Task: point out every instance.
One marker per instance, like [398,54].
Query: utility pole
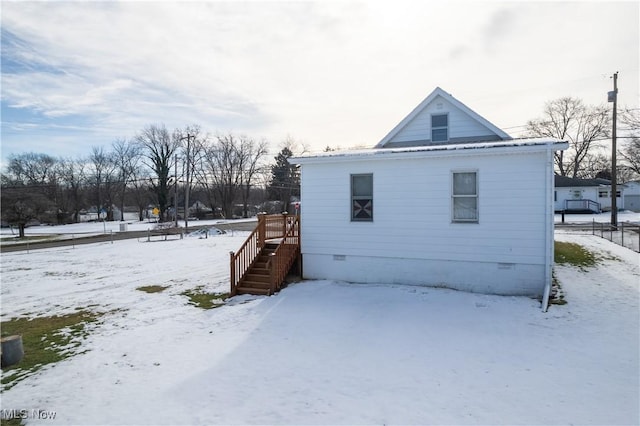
[175,190]
[613,97]
[186,191]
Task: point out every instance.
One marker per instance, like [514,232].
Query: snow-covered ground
[623,216]
[97,228]
[324,352]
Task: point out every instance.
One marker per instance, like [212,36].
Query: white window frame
[455,196]
[360,197]
[446,114]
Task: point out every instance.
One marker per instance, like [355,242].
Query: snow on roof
[464,148]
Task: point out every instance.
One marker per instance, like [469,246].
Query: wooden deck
[266,257]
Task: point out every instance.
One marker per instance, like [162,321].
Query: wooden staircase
[257,279]
[265,258]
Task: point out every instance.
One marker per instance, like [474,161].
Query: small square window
[362,198]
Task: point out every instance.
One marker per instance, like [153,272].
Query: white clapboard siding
[412,238]
[412,210]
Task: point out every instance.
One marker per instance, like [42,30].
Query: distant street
[116,236]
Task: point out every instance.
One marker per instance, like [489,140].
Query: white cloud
[329,73]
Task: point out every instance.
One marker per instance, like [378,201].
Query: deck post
[272,273]
[284,224]
[261,229]
[232,290]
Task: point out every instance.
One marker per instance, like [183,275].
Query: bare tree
[31,168]
[571,120]
[251,155]
[158,149]
[227,168]
[30,188]
[203,167]
[223,170]
[102,176]
[630,151]
[141,191]
[631,155]
[599,166]
[21,205]
[73,181]
[126,158]
[192,144]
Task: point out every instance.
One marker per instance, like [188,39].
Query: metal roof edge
[513,145]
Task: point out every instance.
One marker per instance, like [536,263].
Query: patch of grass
[557,295]
[573,254]
[152,288]
[11,422]
[46,340]
[198,297]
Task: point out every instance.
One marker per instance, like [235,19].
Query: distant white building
[632,196]
[573,195]
[445,199]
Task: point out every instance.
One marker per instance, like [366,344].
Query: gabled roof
[456,103]
[565,182]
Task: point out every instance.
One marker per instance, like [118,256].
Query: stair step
[254,284]
[259,271]
[251,290]
[252,276]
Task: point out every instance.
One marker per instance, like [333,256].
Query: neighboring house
[445,199]
[573,195]
[632,196]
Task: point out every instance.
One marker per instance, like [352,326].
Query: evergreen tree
[285,179]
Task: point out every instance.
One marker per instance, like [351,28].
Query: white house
[585,195]
[445,199]
[632,196]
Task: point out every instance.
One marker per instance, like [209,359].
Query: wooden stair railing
[262,262]
[242,260]
[288,250]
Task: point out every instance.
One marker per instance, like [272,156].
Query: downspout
[549,218]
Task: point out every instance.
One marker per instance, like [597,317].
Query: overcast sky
[338,73]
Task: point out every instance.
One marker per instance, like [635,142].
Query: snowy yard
[324,352]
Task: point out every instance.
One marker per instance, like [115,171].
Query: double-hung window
[362,197]
[439,127]
[464,197]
